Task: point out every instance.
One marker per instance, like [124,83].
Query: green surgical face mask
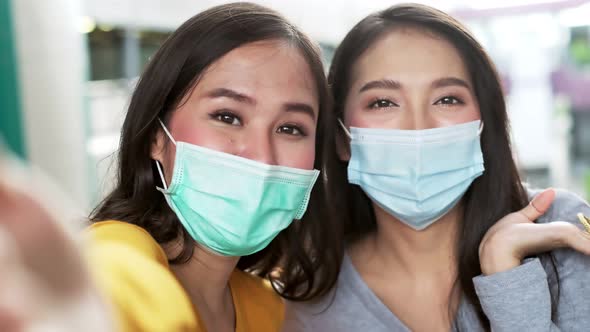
[233,205]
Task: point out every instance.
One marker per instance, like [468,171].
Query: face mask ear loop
[157,163]
[344,128]
[480,129]
[166,131]
[161,175]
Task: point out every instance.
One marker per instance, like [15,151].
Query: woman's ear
[158,146]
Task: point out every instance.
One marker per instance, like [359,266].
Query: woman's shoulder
[258,306]
[131,271]
[255,286]
[120,233]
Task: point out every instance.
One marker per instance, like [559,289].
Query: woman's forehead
[410,54]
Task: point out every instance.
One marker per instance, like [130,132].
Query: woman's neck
[412,271]
[428,252]
[206,278]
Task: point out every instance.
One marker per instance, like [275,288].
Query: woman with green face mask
[216,161]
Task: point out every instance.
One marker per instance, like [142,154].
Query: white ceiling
[325,20]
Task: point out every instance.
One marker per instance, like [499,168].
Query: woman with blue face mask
[216,161]
[438,233]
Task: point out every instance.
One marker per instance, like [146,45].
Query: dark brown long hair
[491,196]
[169,76]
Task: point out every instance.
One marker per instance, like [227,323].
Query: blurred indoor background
[68,67]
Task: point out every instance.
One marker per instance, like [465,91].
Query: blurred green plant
[580,51]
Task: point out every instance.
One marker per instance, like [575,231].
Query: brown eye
[290,130]
[382,103]
[227,117]
[449,100]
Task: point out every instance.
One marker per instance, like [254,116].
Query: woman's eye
[449,100]
[290,130]
[228,118]
[382,103]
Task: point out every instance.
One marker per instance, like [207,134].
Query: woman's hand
[516,236]
[44,283]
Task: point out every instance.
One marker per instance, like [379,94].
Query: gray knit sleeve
[529,298]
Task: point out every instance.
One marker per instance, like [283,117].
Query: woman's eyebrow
[381,84]
[450,81]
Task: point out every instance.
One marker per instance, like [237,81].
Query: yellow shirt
[132,271]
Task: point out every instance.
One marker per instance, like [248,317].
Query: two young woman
[217,158]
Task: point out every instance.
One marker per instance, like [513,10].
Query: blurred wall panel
[52,68]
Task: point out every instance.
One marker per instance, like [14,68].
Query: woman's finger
[537,238]
[9,321]
[539,205]
[41,241]
[579,239]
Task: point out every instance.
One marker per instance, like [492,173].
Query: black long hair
[169,76]
[491,196]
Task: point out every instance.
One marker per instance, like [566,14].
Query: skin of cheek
[354,116]
[467,113]
[301,157]
[464,118]
[189,131]
[206,136]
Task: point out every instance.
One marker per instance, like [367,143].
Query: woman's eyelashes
[449,101]
[227,117]
[232,119]
[292,129]
[379,103]
[383,103]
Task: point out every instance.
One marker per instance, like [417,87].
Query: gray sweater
[514,300]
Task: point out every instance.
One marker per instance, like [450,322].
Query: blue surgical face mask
[417,176]
[233,205]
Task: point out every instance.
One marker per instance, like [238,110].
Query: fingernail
[584,221]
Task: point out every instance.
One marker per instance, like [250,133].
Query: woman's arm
[521,298]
